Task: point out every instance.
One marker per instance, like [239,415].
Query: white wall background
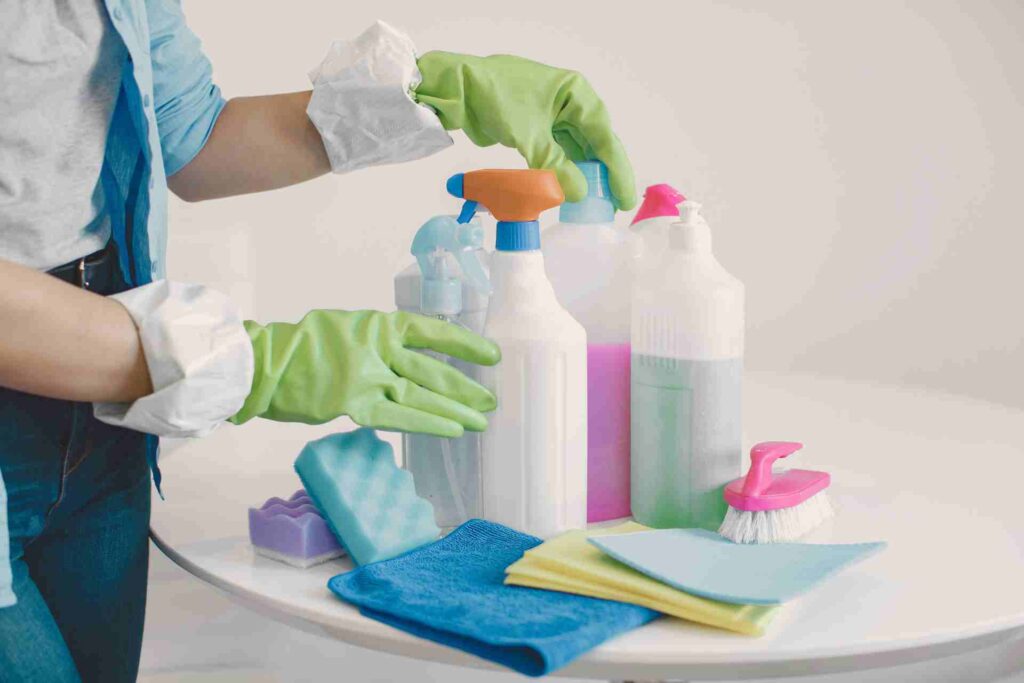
[861,163]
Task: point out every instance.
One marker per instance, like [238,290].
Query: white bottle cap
[689,211]
[691,232]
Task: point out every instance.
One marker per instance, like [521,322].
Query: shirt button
[117,14]
[145,100]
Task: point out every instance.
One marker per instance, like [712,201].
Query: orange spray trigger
[511,195]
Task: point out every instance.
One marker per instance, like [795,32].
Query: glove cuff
[258,399]
[362,104]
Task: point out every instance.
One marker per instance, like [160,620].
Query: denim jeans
[78,496]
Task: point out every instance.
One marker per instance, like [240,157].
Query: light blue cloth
[453,592]
[166,108]
[703,563]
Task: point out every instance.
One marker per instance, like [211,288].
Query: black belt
[86,272]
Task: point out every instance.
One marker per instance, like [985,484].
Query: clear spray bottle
[447,471]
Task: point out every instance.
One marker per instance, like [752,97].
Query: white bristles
[776,526]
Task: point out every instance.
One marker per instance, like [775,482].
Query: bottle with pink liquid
[589,264]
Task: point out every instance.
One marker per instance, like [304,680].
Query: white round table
[938,476]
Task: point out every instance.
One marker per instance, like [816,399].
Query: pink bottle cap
[659,200]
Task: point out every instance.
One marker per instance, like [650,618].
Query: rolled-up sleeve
[187,102]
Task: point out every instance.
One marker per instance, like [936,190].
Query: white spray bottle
[534,457]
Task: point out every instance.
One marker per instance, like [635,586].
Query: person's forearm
[258,143]
[63,342]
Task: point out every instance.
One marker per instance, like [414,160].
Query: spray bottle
[448,271]
[686,374]
[534,455]
[588,261]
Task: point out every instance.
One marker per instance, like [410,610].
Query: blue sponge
[369,502]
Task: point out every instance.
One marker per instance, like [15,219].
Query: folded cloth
[452,592]
[569,564]
[703,563]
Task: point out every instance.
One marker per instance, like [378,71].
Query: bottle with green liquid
[686,374]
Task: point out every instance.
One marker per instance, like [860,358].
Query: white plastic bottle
[535,447]
[687,367]
[534,459]
[588,261]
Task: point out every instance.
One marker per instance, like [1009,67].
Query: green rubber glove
[362,364]
[552,116]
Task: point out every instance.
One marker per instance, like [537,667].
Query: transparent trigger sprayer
[449,260]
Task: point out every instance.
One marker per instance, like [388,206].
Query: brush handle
[762,456]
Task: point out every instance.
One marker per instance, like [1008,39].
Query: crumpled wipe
[362,103]
[199,357]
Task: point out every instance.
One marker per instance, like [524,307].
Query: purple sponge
[292,531]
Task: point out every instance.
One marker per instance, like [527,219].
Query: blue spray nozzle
[441,290]
[455,185]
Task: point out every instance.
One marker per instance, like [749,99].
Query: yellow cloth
[569,564]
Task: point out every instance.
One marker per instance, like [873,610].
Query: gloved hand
[361,364]
[552,116]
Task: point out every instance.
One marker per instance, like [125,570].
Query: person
[104,106]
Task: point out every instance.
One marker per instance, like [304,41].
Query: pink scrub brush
[767,509]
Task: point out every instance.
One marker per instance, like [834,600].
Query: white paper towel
[362,103]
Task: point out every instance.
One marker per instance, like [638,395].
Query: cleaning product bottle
[534,458]
[687,366]
[588,262]
[448,281]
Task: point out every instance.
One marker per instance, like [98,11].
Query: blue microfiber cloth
[453,592]
[703,563]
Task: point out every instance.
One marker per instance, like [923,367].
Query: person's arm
[258,143]
[212,148]
[374,102]
[63,342]
[360,113]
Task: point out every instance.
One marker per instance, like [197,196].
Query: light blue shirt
[165,110]
[163,117]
